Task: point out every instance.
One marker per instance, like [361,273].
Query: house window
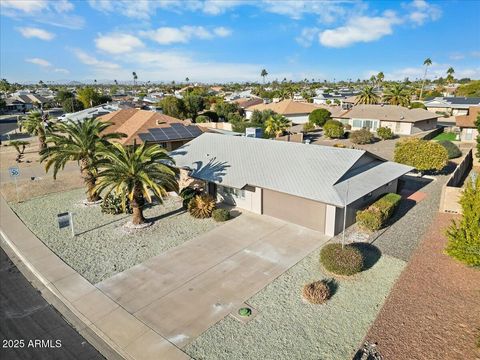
[369,124]
[236,193]
[357,123]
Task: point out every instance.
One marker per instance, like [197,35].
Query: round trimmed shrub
[452,149]
[221,215]
[333,129]
[346,261]
[384,133]
[201,206]
[202,119]
[316,292]
[319,116]
[362,136]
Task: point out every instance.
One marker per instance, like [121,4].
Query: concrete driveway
[184,291]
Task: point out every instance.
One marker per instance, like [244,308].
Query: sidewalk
[105,324]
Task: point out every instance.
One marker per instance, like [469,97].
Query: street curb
[64,307]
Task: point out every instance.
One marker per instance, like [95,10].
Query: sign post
[66,220]
[14,172]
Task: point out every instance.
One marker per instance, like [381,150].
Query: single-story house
[308,185]
[142,126]
[454,105]
[24,102]
[401,120]
[466,123]
[296,112]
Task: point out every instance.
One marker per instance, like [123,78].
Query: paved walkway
[184,291]
[26,316]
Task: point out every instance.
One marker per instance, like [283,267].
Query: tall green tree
[397,94]
[173,106]
[72,105]
[89,97]
[81,142]
[319,116]
[471,89]
[224,109]
[193,105]
[367,96]
[135,77]
[380,78]
[464,235]
[263,74]
[134,173]
[276,125]
[427,62]
[35,124]
[63,95]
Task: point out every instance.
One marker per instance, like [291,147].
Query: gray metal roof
[309,171]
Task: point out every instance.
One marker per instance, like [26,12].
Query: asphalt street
[30,328]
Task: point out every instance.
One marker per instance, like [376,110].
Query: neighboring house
[143,126]
[244,103]
[90,113]
[24,101]
[451,105]
[401,120]
[466,123]
[296,112]
[308,185]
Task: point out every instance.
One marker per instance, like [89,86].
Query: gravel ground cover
[288,328]
[411,221]
[103,247]
[433,311]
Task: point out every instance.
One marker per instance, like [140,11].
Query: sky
[233,40]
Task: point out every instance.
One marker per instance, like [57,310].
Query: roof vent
[402,117]
[160,122]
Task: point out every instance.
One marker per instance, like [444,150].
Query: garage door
[294,209]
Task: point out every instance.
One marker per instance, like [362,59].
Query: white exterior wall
[248,114]
[251,202]
[469,135]
[298,119]
[398,128]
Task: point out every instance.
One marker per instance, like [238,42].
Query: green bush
[112,204]
[384,133]
[346,261]
[375,216]
[187,194]
[333,129]
[452,150]
[423,155]
[417,105]
[319,116]
[362,136]
[464,235]
[369,219]
[221,215]
[308,126]
[202,119]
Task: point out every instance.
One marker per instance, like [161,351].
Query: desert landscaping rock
[287,328]
[103,246]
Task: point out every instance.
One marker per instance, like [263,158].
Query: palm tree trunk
[423,82]
[137,207]
[89,180]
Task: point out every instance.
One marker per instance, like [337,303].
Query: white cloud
[360,29]
[421,11]
[42,11]
[216,7]
[39,62]
[171,35]
[457,56]
[222,31]
[307,36]
[92,61]
[61,70]
[26,6]
[475,54]
[31,32]
[118,43]
[434,71]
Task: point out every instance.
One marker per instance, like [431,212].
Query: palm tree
[450,73]
[263,74]
[380,78]
[187,79]
[373,80]
[35,124]
[426,63]
[133,172]
[276,124]
[397,94]
[135,77]
[81,142]
[367,96]
[116,82]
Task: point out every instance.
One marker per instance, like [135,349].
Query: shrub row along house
[303,184]
[401,120]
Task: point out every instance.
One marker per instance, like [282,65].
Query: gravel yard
[288,328]
[103,246]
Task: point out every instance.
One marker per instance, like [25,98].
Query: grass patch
[446,136]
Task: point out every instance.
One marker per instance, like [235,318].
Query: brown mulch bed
[433,311]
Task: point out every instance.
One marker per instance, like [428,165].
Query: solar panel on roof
[177,125]
[158,135]
[193,130]
[146,137]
